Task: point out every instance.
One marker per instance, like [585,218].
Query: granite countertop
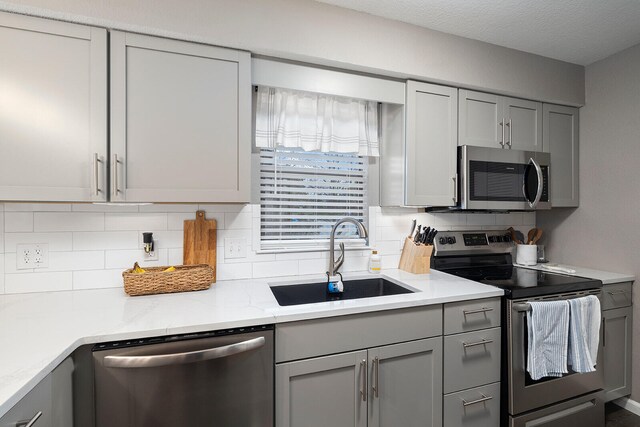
[38,331]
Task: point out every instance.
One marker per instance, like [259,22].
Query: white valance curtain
[316,122]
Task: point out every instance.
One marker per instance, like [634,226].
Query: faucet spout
[362,232]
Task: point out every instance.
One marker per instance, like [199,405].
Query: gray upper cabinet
[180,121]
[406,384]
[431,135]
[561,139]
[326,391]
[488,120]
[53,110]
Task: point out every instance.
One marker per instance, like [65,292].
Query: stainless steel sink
[309,293]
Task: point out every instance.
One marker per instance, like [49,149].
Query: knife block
[415,258]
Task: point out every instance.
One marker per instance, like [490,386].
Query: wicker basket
[157,281]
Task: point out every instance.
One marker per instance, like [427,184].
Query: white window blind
[303,193]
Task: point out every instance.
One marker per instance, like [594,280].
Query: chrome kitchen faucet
[334,266]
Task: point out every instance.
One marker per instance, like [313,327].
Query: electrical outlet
[235,247]
[151,256]
[34,255]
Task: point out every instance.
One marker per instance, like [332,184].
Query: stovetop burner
[491,263]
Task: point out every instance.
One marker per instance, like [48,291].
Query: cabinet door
[432,113]
[561,139]
[35,405]
[180,121]
[326,391]
[481,121]
[617,331]
[523,124]
[53,110]
[406,384]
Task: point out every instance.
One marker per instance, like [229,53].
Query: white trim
[628,404]
[283,75]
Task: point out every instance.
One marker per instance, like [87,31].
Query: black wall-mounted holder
[147,240]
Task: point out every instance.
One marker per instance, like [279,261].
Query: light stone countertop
[606,277]
[39,330]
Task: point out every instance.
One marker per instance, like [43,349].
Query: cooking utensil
[413,227]
[531,235]
[537,236]
[200,241]
[416,239]
[431,236]
[520,237]
[513,235]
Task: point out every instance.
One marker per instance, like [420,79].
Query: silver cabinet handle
[376,367]
[455,188]
[157,360]
[502,126]
[364,372]
[477,343]
[618,292]
[31,422]
[484,398]
[114,174]
[480,310]
[510,134]
[96,174]
[604,331]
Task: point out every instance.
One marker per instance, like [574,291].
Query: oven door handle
[157,360]
[536,199]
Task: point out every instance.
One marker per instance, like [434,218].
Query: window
[303,193]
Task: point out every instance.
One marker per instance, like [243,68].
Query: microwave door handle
[154,361]
[536,200]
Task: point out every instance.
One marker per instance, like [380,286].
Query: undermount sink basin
[309,293]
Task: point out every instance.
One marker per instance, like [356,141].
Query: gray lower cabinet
[395,385]
[561,139]
[180,121]
[48,404]
[53,110]
[617,341]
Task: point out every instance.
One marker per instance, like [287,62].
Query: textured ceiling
[578,31]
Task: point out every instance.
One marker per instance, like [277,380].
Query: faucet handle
[340,260]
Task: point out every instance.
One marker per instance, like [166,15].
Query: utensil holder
[527,254]
[415,258]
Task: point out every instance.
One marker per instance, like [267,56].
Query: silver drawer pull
[473,402]
[30,423]
[473,344]
[618,292]
[480,310]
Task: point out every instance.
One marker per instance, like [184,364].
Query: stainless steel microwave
[502,179]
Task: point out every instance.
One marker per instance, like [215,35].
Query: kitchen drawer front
[471,359]
[36,401]
[616,295]
[470,316]
[584,411]
[477,407]
[317,337]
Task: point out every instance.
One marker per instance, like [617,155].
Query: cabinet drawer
[471,359]
[477,407]
[37,400]
[470,316]
[616,295]
[318,337]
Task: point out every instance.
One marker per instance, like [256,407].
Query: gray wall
[320,33]
[603,232]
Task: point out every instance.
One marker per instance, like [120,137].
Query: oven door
[526,394]
[500,179]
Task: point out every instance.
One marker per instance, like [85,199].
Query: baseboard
[628,404]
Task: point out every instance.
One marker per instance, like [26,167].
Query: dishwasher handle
[154,361]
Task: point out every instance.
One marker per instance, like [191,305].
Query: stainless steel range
[486,257]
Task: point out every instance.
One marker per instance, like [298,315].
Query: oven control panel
[472,242]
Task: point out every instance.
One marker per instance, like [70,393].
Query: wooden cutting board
[200,237]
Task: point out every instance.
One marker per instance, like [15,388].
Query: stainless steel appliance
[222,378]
[499,179]
[486,257]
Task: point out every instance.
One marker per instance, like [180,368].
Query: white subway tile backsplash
[169,207]
[135,221]
[175,256]
[481,219]
[355,263]
[237,220]
[315,266]
[78,260]
[68,221]
[445,220]
[124,259]
[10,265]
[1,273]
[164,239]
[509,219]
[84,241]
[102,207]
[213,208]
[529,218]
[97,279]
[233,271]
[37,282]
[58,242]
[288,256]
[275,268]
[18,221]
[1,229]
[37,207]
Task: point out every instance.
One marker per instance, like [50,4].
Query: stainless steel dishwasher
[219,378]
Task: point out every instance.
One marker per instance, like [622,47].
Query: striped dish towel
[584,333]
[548,332]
